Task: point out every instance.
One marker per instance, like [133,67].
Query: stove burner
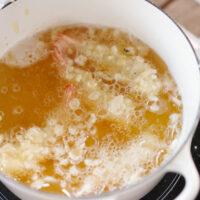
[168,188]
[5,194]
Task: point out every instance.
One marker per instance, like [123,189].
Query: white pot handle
[184,165]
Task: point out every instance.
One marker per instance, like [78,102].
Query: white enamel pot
[151,25]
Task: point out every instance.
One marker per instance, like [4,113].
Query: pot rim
[127,188]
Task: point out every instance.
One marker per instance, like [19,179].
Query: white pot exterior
[135,16]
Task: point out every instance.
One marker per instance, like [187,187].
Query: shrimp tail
[60,45]
[70,92]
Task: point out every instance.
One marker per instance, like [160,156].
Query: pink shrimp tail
[70,91]
[60,45]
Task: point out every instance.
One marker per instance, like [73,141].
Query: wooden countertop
[185,12]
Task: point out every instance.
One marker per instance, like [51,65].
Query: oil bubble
[18,110]
[4,90]
[16,88]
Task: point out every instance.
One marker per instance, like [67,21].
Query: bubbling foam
[26,53]
[115,127]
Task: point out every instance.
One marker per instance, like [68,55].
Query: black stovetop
[168,188]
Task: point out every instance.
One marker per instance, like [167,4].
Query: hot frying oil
[105,119]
